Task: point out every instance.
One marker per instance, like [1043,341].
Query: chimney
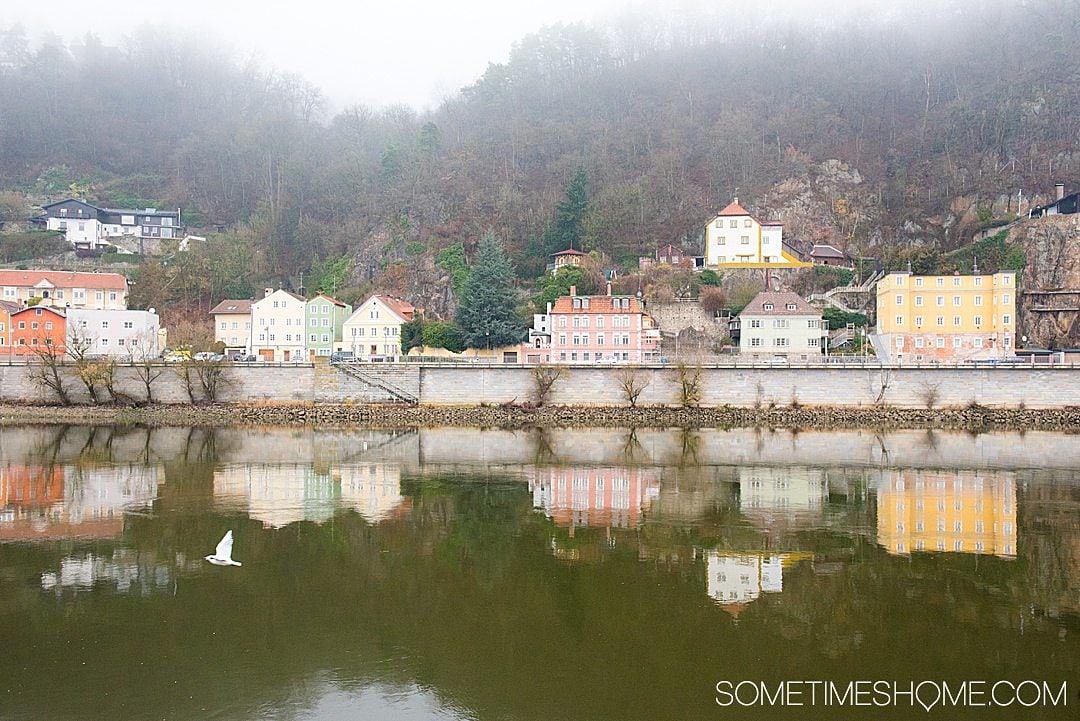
[609,289]
[1059,191]
[549,308]
[267,292]
[736,200]
[573,291]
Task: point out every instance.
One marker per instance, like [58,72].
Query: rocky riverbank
[974,418]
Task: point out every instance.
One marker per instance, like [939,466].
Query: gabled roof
[71,200]
[825,251]
[780,300]
[733,209]
[324,296]
[63,279]
[9,307]
[57,311]
[568,251]
[597,304]
[289,293]
[232,306]
[401,308]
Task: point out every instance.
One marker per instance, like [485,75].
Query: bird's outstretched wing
[224,547]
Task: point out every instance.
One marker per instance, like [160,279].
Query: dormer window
[767,306]
[577,302]
[791,306]
[584,302]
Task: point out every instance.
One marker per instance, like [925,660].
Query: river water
[555,574]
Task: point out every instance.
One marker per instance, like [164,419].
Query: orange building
[953,511]
[6,309]
[38,330]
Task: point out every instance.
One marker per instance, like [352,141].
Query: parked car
[342,356]
[246,358]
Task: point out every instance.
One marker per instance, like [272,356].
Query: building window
[745,240]
[940,321]
[899,320]
[939,282]
[813,342]
[978,281]
[918,342]
[940,301]
[918,321]
[918,282]
[900,342]
[755,342]
[918,300]
[1006,319]
[781,342]
[978,321]
[733,223]
[977,343]
[939,342]
[899,299]
[956,320]
[958,342]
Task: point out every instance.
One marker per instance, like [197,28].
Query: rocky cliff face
[1050,298]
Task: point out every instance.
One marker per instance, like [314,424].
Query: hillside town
[920,319]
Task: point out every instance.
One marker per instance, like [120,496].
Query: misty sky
[377,53]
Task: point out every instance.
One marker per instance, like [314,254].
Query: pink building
[599,328]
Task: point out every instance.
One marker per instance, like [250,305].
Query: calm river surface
[561,574]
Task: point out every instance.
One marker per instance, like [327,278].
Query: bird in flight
[223,555]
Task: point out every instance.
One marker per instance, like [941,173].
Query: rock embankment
[975,418]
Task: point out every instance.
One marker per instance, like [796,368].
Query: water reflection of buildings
[281,494]
[735,579]
[772,496]
[126,570]
[955,511]
[62,501]
[595,497]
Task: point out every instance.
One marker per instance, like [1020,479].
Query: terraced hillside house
[232,326]
[373,331]
[601,328]
[735,238]
[89,227]
[325,318]
[277,326]
[946,318]
[38,331]
[61,289]
[781,325]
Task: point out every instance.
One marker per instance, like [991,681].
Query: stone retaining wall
[759,388]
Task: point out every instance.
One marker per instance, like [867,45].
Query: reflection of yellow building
[598,497]
[961,511]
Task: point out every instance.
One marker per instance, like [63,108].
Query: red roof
[55,311]
[779,302]
[733,209]
[63,279]
[569,251]
[233,306]
[402,308]
[324,296]
[597,304]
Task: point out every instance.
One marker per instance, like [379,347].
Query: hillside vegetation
[876,132]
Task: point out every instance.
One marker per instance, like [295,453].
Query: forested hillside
[871,131]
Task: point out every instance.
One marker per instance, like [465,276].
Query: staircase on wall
[384,378]
[830,297]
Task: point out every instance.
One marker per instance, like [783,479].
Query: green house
[323,317]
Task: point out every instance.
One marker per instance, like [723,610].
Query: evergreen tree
[486,310]
[570,215]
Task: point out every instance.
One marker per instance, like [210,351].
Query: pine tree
[486,310]
[570,215]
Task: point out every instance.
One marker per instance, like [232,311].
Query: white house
[125,334]
[374,328]
[736,238]
[780,323]
[88,226]
[277,326]
[232,325]
[735,579]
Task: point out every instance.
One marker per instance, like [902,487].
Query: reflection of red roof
[29,530]
[597,304]
[568,251]
[232,306]
[61,279]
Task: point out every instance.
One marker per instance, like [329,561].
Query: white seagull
[223,555]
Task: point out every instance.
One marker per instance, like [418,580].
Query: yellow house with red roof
[735,238]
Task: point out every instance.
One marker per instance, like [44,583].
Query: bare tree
[930,394]
[633,383]
[141,357]
[689,384]
[45,369]
[203,379]
[545,376]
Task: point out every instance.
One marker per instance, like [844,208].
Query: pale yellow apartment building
[946,318]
